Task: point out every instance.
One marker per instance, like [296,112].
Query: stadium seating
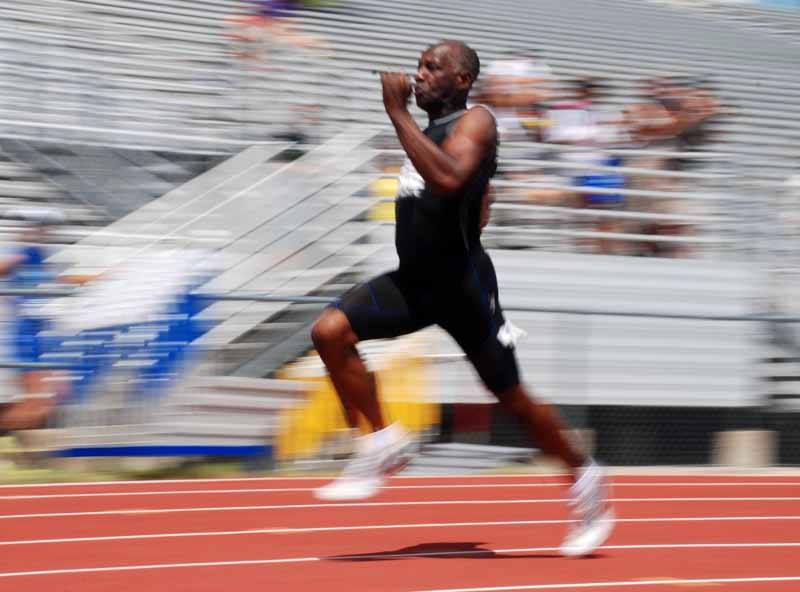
[107,77]
[164,72]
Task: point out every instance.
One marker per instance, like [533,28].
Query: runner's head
[445,75]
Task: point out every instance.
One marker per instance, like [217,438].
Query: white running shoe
[377,456]
[592,510]
[398,449]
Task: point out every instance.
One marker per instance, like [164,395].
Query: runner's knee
[332,329]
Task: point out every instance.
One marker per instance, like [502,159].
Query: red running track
[481,533]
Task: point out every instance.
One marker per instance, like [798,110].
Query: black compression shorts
[461,298]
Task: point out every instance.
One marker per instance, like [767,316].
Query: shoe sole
[405,456]
[343,498]
[604,530]
[398,466]
[322,494]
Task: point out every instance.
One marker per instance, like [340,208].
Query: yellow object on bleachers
[312,430]
[385,188]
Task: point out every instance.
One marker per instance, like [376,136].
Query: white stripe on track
[154,566]
[366,527]
[135,511]
[623,583]
[387,488]
[322,478]
[612,471]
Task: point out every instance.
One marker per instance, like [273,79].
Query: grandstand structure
[163,73]
[157,90]
[22,185]
[114,72]
[765,18]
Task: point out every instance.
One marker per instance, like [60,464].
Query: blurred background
[184,185]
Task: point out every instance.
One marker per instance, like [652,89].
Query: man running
[445,278]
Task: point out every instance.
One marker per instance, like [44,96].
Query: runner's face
[438,77]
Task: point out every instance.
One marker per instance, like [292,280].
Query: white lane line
[388,487]
[322,478]
[83,570]
[612,471]
[153,566]
[288,530]
[623,583]
[138,511]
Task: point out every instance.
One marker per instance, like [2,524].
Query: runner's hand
[396,90]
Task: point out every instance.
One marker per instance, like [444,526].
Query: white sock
[385,437]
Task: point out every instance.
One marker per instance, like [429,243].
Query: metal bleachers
[161,74]
[267,228]
[164,73]
[621,42]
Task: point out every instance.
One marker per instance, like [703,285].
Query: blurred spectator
[515,88]
[269,40]
[584,121]
[697,110]
[581,122]
[675,117]
[270,22]
[26,268]
[575,121]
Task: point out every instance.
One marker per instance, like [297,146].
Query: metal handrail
[700,155]
[558,164]
[266,297]
[612,191]
[621,236]
[591,213]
